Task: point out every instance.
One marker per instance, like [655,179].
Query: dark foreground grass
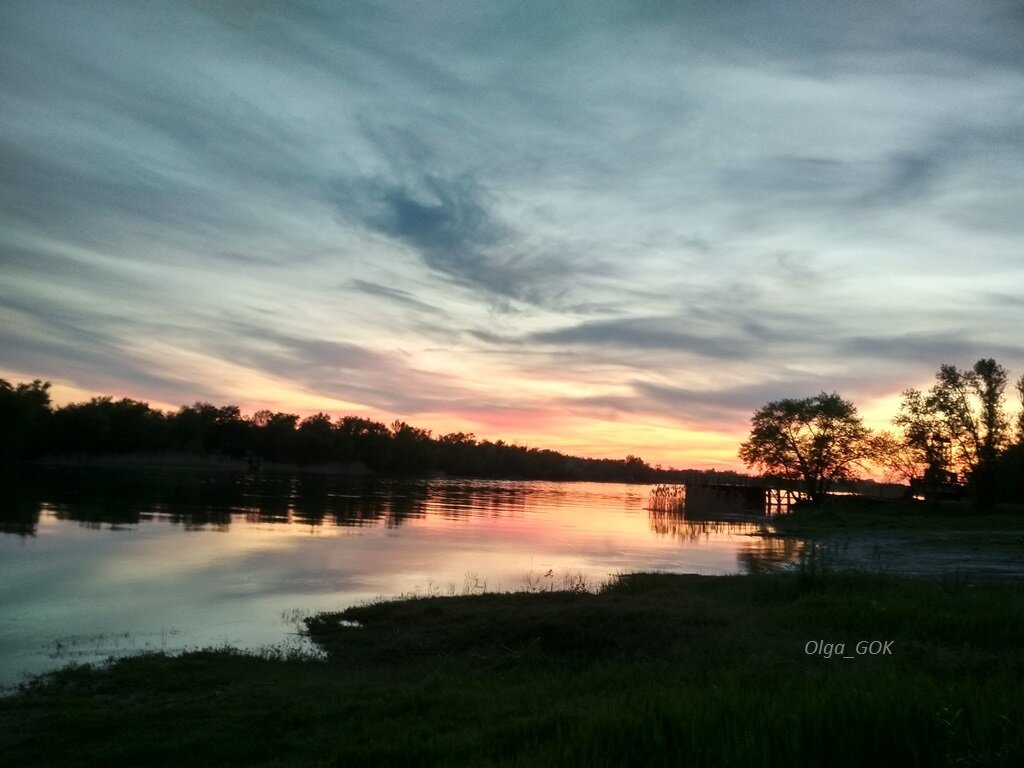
[657,670]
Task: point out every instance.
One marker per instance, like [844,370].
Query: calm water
[100,563]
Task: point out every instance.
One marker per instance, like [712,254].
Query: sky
[602,228]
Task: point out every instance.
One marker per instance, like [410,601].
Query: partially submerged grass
[653,670]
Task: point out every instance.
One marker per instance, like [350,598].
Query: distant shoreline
[185,461]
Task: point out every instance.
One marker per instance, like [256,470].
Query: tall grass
[667,498]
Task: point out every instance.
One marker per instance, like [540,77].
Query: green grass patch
[655,670]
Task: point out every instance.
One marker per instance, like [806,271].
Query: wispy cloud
[444,222]
[626,215]
[394,294]
[646,334]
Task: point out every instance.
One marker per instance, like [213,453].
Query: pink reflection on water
[166,575]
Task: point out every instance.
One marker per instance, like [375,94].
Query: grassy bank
[654,670]
[856,514]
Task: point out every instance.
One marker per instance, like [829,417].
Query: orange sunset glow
[511,383]
[479,245]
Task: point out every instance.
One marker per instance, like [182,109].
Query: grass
[855,514]
[653,670]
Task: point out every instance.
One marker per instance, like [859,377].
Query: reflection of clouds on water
[109,644]
[189,560]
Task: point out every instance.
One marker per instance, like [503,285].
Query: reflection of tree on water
[673,523]
[19,506]
[768,554]
[453,499]
[760,553]
[97,497]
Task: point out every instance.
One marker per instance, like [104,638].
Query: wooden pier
[733,498]
[709,497]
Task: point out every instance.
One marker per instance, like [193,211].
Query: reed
[667,499]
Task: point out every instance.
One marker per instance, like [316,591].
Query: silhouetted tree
[275,435]
[24,419]
[816,441]
[364,440]
[29,427]
[412,450]
[961,424]
[638,470]
[989,385]
[206,429]
[1020,413]
[231,432]
[923,451]
[1010,474]
[105,425]
[457,454]
[901,461]
[315,440]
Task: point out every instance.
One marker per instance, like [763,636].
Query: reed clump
[667,498]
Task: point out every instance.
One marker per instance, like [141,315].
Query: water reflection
[675,524]
[757,551]
[770,554]
[117,500]
[19,507]
[96,498]
[99,561]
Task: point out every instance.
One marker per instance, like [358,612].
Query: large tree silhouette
[24,418]
[964,414]
[816,441]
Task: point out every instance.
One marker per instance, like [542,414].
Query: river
[100,563]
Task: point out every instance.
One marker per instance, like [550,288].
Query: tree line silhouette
[952,439]
[958,430]
[32,429]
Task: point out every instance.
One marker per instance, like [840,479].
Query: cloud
[452,226]
[631,201]
[394,294]
[444,221]
[90,349]
[730,405]
[646,334]
[929,348]
[383,380]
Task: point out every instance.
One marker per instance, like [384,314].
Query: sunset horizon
[698,452]
[601,231]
